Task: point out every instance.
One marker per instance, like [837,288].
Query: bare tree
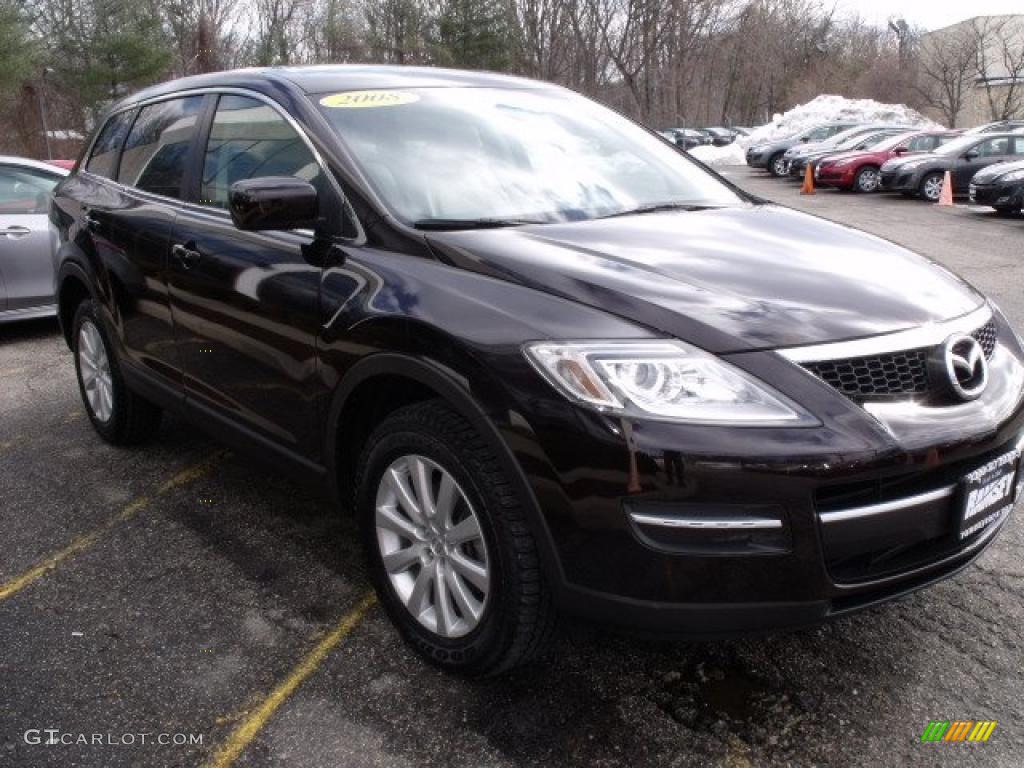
[948,63]
[999,41]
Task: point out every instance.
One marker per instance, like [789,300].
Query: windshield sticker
[365,99]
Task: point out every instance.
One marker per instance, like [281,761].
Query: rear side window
[157,148]
[250,139]
[103,159]
[1018,146]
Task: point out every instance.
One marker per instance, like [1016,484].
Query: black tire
[926,184]
[1006,210]
[132,419]
[867,179]
[518,619]
[774,160]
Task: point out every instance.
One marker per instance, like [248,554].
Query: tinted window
[23,190]
[156,150]
[103,160]
[249,139]
[994,147]
[922,143]
[1018,146]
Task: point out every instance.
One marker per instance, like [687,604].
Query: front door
[246,304]
[983,155]
[26,257]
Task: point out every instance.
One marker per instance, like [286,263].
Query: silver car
[27,272]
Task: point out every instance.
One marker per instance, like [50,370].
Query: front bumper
[757,159]
[700,531]
[830,176]
[899,181]
[1009,196]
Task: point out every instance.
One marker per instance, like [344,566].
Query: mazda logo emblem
[965,366]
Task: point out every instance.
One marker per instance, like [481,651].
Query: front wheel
[931,187]
[448,547]
[777,165]
[119,415]
[867,179]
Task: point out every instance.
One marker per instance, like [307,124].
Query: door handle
[188,257]
[16,231]
[92,224]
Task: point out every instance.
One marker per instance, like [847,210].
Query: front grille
[894,373]
[890,374]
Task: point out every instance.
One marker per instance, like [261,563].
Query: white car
[27,266]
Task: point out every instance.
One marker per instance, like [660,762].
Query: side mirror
[900,151]
[972,154]
[273,202]
[805,139]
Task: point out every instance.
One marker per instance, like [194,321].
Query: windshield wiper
[472,223]
[659,207]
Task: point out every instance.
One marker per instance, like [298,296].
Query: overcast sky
[930,14]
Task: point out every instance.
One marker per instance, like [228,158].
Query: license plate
[988,494]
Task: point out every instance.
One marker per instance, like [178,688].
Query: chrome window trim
[708,523]
[220,212]
[929,335]
[870,510]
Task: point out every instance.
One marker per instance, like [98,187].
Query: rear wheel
[777,165]
[867,179]
[119,415]
[931,187]
[1003,210]
[449,551]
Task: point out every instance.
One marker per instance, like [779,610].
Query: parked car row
[688,138]
[985,163]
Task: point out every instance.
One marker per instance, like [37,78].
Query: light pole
[42,112]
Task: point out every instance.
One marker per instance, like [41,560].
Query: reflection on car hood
[992,172]
[726,279]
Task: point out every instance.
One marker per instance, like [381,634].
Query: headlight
[1013,176]
[912,165]
[663,380]
[840,163]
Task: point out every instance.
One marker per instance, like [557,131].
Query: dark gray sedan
[27,274]
[963,157]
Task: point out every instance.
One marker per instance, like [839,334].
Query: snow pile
[731,154]
[826,108]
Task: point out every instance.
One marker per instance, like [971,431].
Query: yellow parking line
[86,540]
[253,724]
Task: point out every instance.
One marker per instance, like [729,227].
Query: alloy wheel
[867,180]
[932,188]
[779,166]
[432,546]
[97,380]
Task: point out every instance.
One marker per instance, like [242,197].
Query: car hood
[726,279]
[993,172]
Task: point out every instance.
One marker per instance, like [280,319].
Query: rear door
[246,304]
[26,260]
[128,208]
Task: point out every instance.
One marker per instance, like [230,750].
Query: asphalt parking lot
[177,590]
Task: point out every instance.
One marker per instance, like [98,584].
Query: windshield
[955,146]
[474,154]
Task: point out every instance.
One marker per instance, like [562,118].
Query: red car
[858,170]
[65,164]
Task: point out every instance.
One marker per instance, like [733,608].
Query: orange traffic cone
[946,196]
[808,187]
